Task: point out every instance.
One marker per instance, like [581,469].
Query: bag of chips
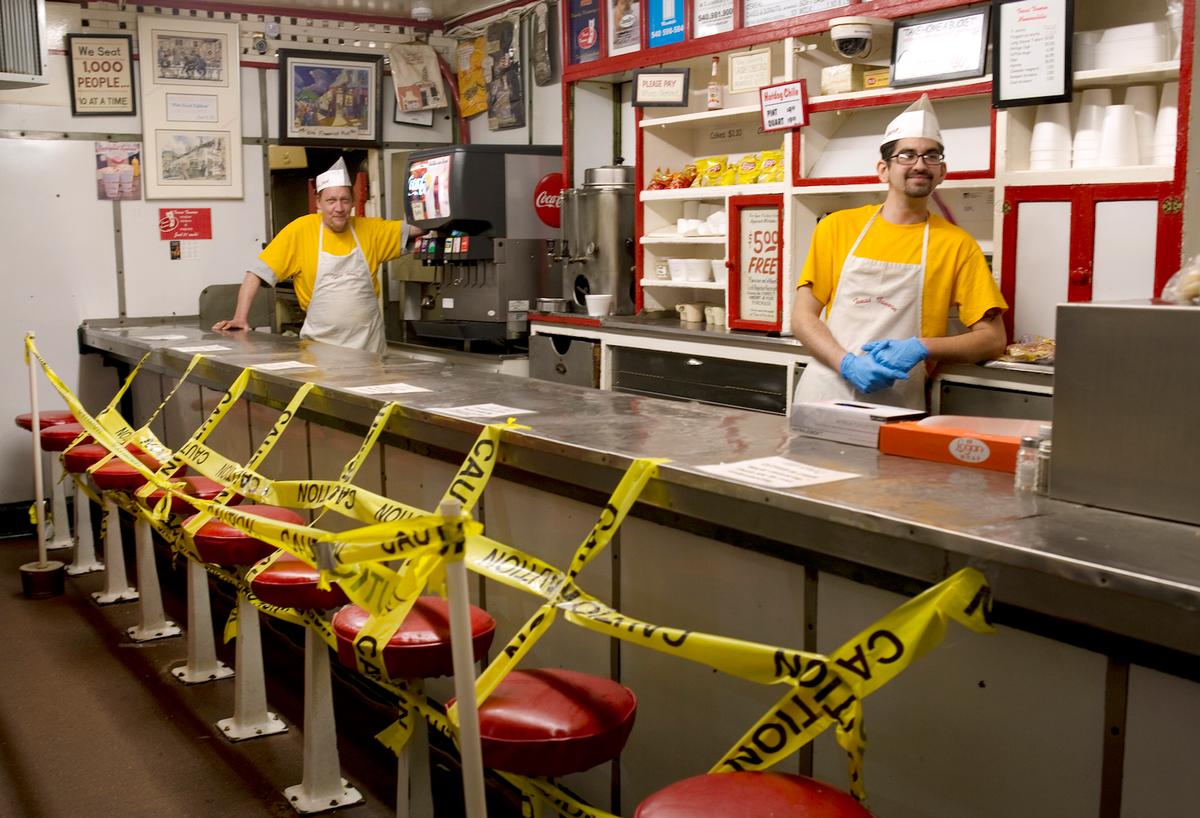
[659,180]
[709,170]
[748,169]
[771,167]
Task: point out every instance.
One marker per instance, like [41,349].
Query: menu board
[1031,48]
[759,266]
[768,11]
[429,188]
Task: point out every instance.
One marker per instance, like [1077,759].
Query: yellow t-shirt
[293,251]
[956,273]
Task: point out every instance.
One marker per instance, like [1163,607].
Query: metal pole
[38,494]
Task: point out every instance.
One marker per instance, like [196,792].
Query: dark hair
[888,149]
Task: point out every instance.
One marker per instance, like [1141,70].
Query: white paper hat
[336,176]
[917,122]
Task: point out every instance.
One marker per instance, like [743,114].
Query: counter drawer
[710,380]
[564,359]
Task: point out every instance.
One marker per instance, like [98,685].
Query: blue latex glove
[867,374]
[902,355]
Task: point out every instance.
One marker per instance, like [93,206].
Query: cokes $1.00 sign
[547,199]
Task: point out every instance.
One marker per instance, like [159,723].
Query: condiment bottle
[1025,478]
[716,94]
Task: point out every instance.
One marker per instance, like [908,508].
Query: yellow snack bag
[748,169]
[709,170]
[729,175]
[771,167]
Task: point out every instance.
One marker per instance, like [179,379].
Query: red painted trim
[283,13]
[733,312]
[564,318]
[639,210]
[815,181]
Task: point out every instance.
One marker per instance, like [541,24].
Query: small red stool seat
[117,475]
[58,437]
[83,457]
[291,583]
[55,417]
[732,795]
[195,485]
[550,722]
[223,544]
[421,648]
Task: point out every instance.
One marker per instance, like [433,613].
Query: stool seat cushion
[223,544]
[83,457]
[551,722]
[421,648]
[290,583]
[764,795]
[55,417]
[58,437]
[196,485]
[117,475]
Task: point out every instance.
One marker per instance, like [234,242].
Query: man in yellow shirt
[886,277]
[332,257]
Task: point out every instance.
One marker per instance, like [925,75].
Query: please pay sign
[784,105]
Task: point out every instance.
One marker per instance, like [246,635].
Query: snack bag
[748,169]
[709,170]
[685,178]
[659,180]
[771,168]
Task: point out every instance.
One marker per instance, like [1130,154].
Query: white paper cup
[1084,49]
[697,269]
[1052,133]
[599,306]
[691,210]
[1088,127]
[677,267]
[1118,140]
[1144,99]
[719,271]
[714,316]
[1166,125]
[126,172]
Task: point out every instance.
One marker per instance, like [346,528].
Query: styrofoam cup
[677,267]
[1118,140]
[1084,49]
[1088,127]
[719,271]
[1051,128]
[1144,99]
[697,269]
[1166,125]
[691,210]
[599,306]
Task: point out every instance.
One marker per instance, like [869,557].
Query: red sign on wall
[176,223]
[547,199]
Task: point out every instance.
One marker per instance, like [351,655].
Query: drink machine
[492,212]
[597,229]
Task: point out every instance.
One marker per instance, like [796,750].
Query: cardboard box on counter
[961,440]
[842,79]
[877,78]
[847,421]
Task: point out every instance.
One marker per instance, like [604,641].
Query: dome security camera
[862,39]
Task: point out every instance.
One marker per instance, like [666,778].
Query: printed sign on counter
[202,348]
[179,223]
[282,366]
[481,410]
[776,473]
[162,337]
[386,389]
[756,263]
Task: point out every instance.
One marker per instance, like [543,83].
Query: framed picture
[756,262]
[749,70]
[191,108]
[624,26]
[330,99]
[940,47]
[665,87]
[101,73]
[422,118]
[1031,52]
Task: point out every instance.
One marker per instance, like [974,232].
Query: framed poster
[711,17]
[624,26]
[756,263]
[665,22]
[665,87]
[1031,52]
[947,46]
[101,74]
[749,70]
[329,99]
[585,30]
[756,12]
[191,109]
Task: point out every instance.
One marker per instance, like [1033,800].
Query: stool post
[85,541]
[116,586]
[412,764]
[202,663]
[38,489]
[251,719]
[322,786]
[154,623]
[58,506]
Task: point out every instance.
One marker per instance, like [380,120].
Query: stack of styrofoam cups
[1084,49]
[1118,139]
[1050,144]
[1144,100]
[1166,126]
[1132,45]
[1088,128]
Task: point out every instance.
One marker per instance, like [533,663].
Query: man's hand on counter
[231,325]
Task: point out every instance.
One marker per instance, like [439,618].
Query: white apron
[875,300]
[344,309]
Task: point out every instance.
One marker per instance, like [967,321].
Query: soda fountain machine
[492,215]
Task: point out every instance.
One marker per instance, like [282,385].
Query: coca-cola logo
[547,199]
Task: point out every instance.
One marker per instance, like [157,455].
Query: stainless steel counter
[902,523]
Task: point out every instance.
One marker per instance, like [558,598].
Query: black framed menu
[1031,50]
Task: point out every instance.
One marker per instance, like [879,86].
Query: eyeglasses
[910,157]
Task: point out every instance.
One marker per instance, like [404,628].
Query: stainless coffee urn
[597,231]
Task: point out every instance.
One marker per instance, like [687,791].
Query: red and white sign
[784,106]
[547,199]
[176,223]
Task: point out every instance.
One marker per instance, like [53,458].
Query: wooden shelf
[881,96]
[683,239]
[692,285]
[1090,176]
[1099,77]
[741,113]
[717,192]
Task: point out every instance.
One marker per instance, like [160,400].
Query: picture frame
[100,70]
[327,98]
[749,70]
[423,118]
[1032,53]
[191,108]
[623,24]
[660,87]
[940,47]
[756,240]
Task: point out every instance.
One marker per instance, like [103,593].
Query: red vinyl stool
[55,441]
[733,795]
[202,664]
[118,476]
[222,544]
[291,583]
[420,649]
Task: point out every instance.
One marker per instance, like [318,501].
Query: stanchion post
[42,578]
[464,677]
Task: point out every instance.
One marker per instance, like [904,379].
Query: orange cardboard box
[961,440]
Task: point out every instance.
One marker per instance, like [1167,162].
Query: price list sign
[784,106]
[756,279]
[1032,44]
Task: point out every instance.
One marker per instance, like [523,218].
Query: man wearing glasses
[886,278]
